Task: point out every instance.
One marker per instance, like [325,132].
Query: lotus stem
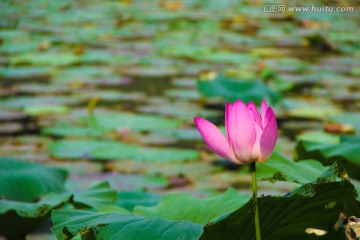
[254,196]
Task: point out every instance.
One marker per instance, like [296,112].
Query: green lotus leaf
[93,226]
[27,181]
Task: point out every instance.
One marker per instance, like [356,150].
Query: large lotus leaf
[19,218]
[109,150]
[279,168]
[314,205]
[96,197]
[347,152]
[26,181]
[198,210]
[231,89]
[129,200]
[93,226]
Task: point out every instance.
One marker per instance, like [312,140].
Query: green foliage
[38,110]
[27,181]
[145,154]
[347,152]
[45,59]
[313,112]
[278,83]
[100,124]
[18,73]
[67,130]
[109,150]
[231,89]
[19,218]
[73,149]
[96,197]
[189,134]
[197,210]
[22,102]
[313,205]
[279,168]
[137,122]
[94,226]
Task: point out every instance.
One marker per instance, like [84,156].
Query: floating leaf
[314,112]
[45,59]
[67,130]
[266,52]
[229,57]
[197,210]
[231,89]
[136,122]
[279,168]
[37,110]
[100,124]
[94,226]
[180,134]
[25,101]
[110,150]
[179,109]
[77,149]
[151,72]
[26,181]
[14,75]
[145,154]
[183,94]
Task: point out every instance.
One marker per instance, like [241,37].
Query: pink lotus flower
[249,137]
